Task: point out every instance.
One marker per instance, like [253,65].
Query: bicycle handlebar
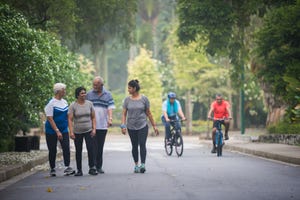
[176,120]
[219,119]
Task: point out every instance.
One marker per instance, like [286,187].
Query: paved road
[198,174]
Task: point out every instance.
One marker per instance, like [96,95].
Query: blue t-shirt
[58,109]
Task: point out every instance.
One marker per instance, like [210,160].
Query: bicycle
[176,139]
[219,139]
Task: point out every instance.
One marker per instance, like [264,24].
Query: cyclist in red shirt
[221,110]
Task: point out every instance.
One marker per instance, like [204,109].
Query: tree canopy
[31,62]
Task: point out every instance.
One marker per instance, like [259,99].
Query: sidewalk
[244,144]
[237,142]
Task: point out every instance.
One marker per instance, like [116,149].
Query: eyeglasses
[219,99]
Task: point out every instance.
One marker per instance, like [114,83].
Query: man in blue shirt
[171,109]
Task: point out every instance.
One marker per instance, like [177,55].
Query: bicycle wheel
[179,145]
[219,144]
[168,147]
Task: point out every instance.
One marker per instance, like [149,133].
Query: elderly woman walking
[82,124]
[56,128]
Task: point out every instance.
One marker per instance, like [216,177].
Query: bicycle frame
[219,137]
[176,139]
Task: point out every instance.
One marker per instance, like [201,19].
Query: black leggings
[89,145]
[100,139]
[139,138]
[51,140]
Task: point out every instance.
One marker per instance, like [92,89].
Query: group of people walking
[88,118]
[90,115]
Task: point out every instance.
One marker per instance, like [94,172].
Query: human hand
[72,136]
[123,130]
[93,133]
[156,131]
[109,122]
[59,135]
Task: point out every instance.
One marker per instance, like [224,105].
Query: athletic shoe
[69,171]
[142,168]
[100,171]
[93,172]
[136,169]
[79,173]
[52,172]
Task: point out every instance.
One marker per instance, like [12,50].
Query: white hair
[58,87]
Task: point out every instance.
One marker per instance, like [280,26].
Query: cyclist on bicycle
[171,109]
[221,110]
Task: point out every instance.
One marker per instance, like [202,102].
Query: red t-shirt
[220,110]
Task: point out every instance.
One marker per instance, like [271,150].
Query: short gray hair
[58,87]
[99,78]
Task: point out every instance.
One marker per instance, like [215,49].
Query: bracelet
[56,130]
[122,126]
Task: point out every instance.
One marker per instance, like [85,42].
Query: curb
[15,170]
[264,154]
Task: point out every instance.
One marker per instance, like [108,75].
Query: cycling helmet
[171,95]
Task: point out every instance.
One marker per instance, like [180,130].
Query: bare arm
[181,114]
[110,119]
[229,112]
[93,133]
[166,116]
[148,113]
[53,125]
[124,113]
[70,123]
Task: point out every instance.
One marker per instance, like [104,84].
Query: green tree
[101,21]
[195,76]
[145,69]
[31,62]
[56,16]
[277,64]
[224,25]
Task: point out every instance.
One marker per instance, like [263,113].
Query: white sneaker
[69,171]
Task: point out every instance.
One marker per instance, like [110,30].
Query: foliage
[54,16]
[278,50]
[223,25]
[205,77]
[101,20]
[31,62]
[145,69]
[284,128]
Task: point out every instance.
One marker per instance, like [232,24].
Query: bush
[284,128]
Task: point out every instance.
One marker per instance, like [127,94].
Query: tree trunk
[188,110]
[276,107]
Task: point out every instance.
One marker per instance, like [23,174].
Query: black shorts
[215,123]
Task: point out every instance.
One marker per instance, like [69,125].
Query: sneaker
[93,172]
[169,141]
[52,172]
[69,171]
[100,171]
[79,173]
[136,169]
[214,149]
[142,168]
